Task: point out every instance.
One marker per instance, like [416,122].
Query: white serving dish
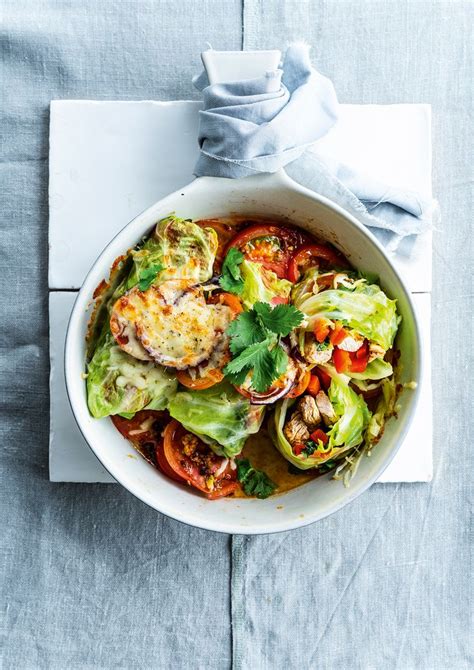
[270,196]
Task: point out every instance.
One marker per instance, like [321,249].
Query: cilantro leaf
[231,278]
[310,447]
[254,482]
[148,276]
[249,357]
[245,330]
[254,343]
[281,319]
[238,378]
[280,360]
[264,372]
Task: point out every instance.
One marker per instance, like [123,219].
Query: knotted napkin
[265,124]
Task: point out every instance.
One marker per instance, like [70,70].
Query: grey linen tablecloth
[93,578]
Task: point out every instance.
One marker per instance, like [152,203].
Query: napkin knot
[262,124]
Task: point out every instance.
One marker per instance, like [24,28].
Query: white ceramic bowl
[268,195]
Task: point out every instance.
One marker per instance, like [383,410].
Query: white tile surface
[108,162]
[393,143]
[71,460]
[414,460]
[111,160]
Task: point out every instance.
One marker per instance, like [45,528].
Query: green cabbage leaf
[220,416]
[261,285]
[120,384]
[375,370]
[362,307]
[385,409]
[178,249]
[348,431]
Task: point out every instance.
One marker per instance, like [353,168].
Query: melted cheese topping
[124,333]
[171,323]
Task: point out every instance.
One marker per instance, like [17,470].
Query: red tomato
[324,378]
[322,328]
[346,361]
[319,435]
[270,245]
[164,466]
[212,377]
[196,463]
[300,386]
[144,432]
[338,334]
[228,299]
[312,254]
[314,385]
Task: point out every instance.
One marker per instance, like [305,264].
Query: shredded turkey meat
[296,431]
[375,351]
[326,409]
[315,356]
[309,411]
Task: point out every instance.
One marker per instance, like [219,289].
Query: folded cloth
[264,124]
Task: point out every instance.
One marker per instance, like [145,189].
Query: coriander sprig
[148,276]
[231,279]
[255,344]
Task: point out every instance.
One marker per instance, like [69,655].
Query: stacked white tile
[111,160]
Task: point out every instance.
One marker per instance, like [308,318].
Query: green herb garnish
[148,276]
[255,342]
[254,482]
[231,279]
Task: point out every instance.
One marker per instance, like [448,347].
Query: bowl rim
[283,180]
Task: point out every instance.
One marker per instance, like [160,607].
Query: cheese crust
[171,324]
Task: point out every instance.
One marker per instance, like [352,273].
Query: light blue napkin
[264,124]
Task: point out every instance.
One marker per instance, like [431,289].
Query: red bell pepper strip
[319,436]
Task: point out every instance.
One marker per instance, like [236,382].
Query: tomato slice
[310,255]
[314,385]
[164,466]
[319,435]
[228,299]
[322,328]
[270,245]
[324,378]
[212,378]
[301,385]
[338,334]
[196,463]
[144,432]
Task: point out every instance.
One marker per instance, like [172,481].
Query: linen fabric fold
[274,121]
